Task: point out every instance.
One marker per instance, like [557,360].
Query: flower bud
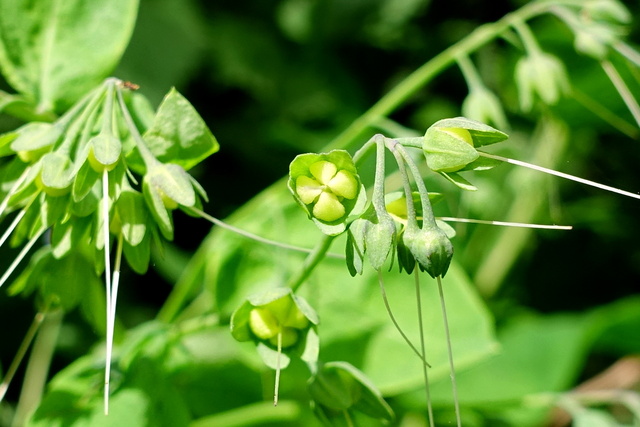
[431,248]
[540,74]
[450,144]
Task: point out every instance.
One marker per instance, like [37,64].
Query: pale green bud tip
[459,133]
[326,189]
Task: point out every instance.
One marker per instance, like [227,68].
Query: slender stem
[35,376]
[147,156]
[471,76]
[506,224]
[12,226]
[20,256]
[560,174]
[605,113]
[528,39]
[450,352]
[428,219]
[395,322]
[12,191]
[423,75]
[622,89]
[22,350]
[378,184]
[412,222]
[628,52]
[277,380]
[312,260]
[252,236]
[416,276]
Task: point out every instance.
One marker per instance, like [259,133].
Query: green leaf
[35,139]
[132,215]
[56,175]
[138,256]
[178,134]
[459,181]
[53,52]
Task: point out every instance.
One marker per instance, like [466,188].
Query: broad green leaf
[53,52]
[178,134]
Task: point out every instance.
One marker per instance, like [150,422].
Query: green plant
[93,166]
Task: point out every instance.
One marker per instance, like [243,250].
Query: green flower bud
[104,152]
[540,74]
[450,145]
[55,176]
[431,248]
[278,312]
[35,139]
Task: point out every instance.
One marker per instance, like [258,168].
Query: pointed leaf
[178,134]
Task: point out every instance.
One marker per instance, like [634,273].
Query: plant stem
[416,276]
[252,236]
[561,175]
[38,367]
[423,75]
[622,89]
[277,380]
[22,350]
[312,260]
[450,352]
[395,322]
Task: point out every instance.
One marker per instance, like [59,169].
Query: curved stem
[253,236]
[395,322]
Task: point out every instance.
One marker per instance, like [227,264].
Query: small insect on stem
[130,85]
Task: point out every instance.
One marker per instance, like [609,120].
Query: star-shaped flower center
[326,190]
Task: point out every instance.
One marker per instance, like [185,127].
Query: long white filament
[107,279]
[561,175]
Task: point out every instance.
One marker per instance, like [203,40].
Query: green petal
[344,184]
[328,208]
[323,171]
[308,189]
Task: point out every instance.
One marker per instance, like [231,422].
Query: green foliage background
[273,79]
